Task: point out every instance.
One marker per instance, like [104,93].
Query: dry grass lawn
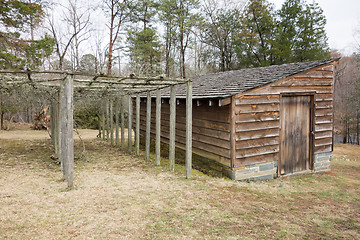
[119,196]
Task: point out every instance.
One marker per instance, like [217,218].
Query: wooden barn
[257,123]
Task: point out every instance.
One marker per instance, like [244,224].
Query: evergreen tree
[301,33]
[311,43]
[287,31]
[167,17]
[18,18]
[144,46]
[255,40]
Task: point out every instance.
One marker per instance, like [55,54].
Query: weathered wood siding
[257,115]
[211,128]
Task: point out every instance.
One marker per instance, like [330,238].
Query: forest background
[174,38]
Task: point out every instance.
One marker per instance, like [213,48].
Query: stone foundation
[253,172]
[322,162]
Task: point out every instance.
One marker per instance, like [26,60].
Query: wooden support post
[122,121]
[67,140]
[52,121]
[148,126]
[60,127]
[117,122]
[99,126]
[158,127]
[111,122]
[188,159]
[130,124]
[103,121]
[57,126]
[137,129]
[107,120]
[172,127]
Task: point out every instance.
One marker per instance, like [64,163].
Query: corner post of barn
[148,125]
[137,129]
[130,111]
[158,127]
[172,127]
[67,141]
[188,159]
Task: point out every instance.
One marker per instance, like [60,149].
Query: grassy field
[119,196]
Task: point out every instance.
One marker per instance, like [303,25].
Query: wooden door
[295,133]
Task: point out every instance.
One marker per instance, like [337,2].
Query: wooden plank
[304,83]
[323,104]
[256,159]
[260,142]
[317,89]
[200,127]
[130,116]
[52,121]
[323,127]
[148,126]
[62,121]
[219,159]
[67,131]
[225,101]
[323,142]
[257,99]
[107,121]
[232,132]
[111,122]
[271,132]
[189,110]
[323,112]
[122,122]
[257,117]
[322,149]
[137,129]
[329,68]
[257,151]
[172,126]
[252,126]
[215,113]
[255,108]
[316,74]
[323,134]
[158,127]
[179,139]
[103,118]
[117,108]
[323,97]
[323,119]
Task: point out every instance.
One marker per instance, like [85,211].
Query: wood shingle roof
[225,84]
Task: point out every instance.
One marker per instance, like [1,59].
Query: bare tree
[78,18]
[75,25]
[118,12]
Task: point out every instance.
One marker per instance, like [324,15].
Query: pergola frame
[115,88]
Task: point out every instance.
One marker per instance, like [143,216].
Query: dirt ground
[119,196]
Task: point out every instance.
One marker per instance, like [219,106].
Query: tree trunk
[182,55]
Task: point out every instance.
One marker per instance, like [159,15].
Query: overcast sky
[343,18]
